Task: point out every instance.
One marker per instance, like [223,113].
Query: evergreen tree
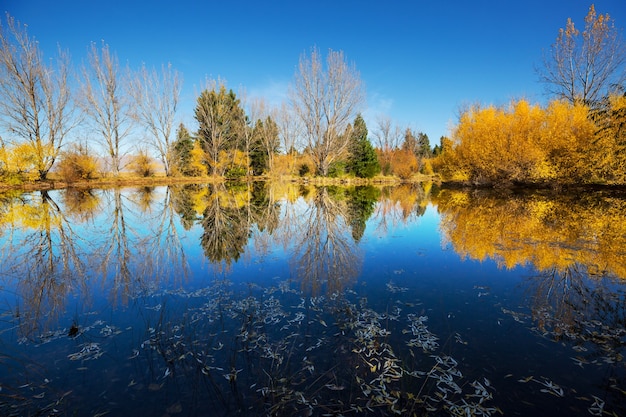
[417,143]
[182,147]
[221,123]
[258,157]
[265,144]
[362,161]
[424,146]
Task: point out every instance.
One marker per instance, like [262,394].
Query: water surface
[261,299]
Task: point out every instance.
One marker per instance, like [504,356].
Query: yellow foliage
[427,167]
[404,163]
[198,163]
[520,143]
[610,164]
[19,159]
[232,160]
[142,164]
[36,215]
[198,199]
[78,164]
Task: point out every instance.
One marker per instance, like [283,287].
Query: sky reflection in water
[286,300]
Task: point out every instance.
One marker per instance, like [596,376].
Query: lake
[295,300]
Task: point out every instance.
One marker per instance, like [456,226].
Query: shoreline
[129,181]
[58,184]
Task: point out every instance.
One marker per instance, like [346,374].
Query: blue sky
[420,61]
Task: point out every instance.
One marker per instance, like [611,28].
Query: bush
[142,165]
[404,163]
[337,169]
[235,171]
[77,164]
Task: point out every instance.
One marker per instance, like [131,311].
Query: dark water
[284,300]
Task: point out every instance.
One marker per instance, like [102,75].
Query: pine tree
[221,121]
[187,154]
[182,147]
[362,161]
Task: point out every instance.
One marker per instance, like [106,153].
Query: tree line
[79,124]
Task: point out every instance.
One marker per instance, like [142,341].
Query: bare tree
[583,67]
[105,100]
[387,138]
[289,128]
[289,132]
[387,135]
[36,106]
[156,98]
[326,99]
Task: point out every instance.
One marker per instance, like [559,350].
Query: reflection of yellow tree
[81,204]
[228,216]
[325,253]
[144,198]
[545,232]
[572,241]
[42,254]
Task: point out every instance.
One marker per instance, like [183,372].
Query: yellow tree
[567,140]
[496,144]
[522,143]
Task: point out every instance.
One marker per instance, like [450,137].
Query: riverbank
[134,181]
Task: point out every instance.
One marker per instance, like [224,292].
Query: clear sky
[420,61]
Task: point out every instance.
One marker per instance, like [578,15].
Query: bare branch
[155,101]
[36,106]
[326,99]
[105,101]
[585,66]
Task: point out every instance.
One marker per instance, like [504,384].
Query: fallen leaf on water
[175,409]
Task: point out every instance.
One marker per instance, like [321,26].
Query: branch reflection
[325,254]
[43,258]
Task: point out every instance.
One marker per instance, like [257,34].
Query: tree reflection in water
[282,348]
[45,257]
[577,245]
[225,224]
[325,254]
